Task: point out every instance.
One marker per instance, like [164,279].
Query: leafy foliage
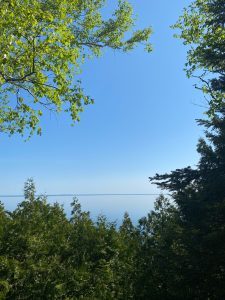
[202,27]
[43,44]
[176,251]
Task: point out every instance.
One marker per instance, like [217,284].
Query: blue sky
[142,122]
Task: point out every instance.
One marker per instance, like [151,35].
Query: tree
[200,196]
[43,44]
[46,255]
[202,27]
[160,254]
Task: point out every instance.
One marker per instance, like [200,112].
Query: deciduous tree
[43,44]
[202,28]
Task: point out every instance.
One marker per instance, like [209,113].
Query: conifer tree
[200,196]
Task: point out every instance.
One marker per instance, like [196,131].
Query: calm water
[113,207]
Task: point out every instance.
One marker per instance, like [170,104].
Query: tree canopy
[46,254]
[202,27]
[176,251]
[43,44]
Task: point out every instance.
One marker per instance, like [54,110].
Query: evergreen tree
[46,255]
[160,254]
[200,196]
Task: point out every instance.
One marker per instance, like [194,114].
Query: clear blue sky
[142,122]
